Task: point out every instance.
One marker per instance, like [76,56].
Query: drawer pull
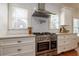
[64,48]
[18,49]
[64,36]
[64,41]
[19,41]
[48,54]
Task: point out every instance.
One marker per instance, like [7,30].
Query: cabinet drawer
[67,47]
[26,40]
[17,41]
[64,48]
[70,46]
[8,41]
[61,37]
[60,49]
[11,50]
[74,45]
[64,41]
[65,36]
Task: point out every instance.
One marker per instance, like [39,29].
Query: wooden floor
[69,53]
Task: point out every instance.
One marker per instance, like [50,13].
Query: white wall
[32,21]
[37,27]
[3,18]
[76,15]
[55,8]
[67,14]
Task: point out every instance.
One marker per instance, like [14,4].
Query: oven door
[42,46]
[53,44]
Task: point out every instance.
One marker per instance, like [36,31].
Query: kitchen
[38,29]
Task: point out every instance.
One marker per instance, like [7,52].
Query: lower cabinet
[66,42]
[17,47]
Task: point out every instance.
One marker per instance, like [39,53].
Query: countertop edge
[16,36]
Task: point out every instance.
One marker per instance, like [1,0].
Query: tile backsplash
[40,24]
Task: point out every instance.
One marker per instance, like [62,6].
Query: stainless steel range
[46,43]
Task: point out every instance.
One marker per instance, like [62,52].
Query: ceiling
[73,5]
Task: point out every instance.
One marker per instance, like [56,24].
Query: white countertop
[17,35]
[65,33]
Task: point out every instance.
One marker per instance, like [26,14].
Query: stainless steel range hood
[41,12]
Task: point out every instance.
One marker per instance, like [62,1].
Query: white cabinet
[66,42]
[17,46]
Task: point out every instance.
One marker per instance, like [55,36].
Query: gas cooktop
[42,33]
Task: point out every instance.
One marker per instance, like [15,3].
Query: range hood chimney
[41,12]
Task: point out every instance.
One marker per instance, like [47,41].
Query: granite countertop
[17,35]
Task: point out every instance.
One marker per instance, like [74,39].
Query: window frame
[10,18]
[75,26]
[49,23]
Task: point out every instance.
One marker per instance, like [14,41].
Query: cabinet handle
[19,49]
[64,41]
[19,41]
[64,48]
[48,54]
[64,36]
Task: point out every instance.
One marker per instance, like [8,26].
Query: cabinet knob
[19,49]
[19,41]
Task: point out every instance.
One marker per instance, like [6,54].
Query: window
[76,26]
[54,22]
[18,18]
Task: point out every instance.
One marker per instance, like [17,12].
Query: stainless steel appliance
[41,12]
[53,39]
[46,43]
[42,46]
